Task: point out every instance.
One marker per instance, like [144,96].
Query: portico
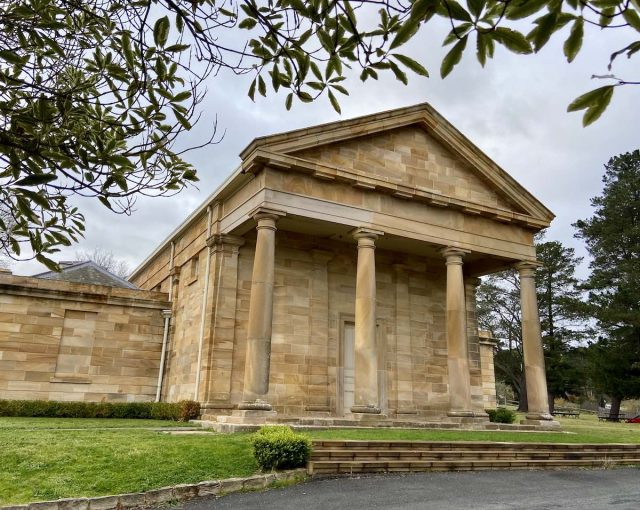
[348,288]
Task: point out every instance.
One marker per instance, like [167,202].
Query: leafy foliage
[612,236]
[279,447]
[180,411]
[93,94]
[502,415]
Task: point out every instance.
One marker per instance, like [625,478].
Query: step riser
[411,458]
[319,469]
[351,457]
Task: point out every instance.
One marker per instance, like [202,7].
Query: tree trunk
[615,406]
[523,403]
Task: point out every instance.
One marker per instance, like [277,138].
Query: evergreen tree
[612,236]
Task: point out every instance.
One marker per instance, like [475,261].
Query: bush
[501,415]
[181,411]
[279,447]
[189,410]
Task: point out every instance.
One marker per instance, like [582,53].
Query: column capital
[220,241]
[453,254]
[527,268]
[366,233]
[266,213]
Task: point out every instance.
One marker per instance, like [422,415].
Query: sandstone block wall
[71,341]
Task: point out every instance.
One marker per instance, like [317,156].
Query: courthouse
[333,276]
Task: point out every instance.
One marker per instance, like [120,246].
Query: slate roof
[86,272]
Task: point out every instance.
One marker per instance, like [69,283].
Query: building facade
[333,274]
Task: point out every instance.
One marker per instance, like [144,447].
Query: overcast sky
[514,110]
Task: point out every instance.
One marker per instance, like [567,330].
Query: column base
[461,414]
[542,420]
[254,405]
[248,417]
[366,409]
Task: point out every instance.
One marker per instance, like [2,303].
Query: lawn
[585,429]
[49,458]
[41,459]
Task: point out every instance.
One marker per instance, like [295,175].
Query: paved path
[617,489]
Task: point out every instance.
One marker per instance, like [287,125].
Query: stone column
[366,355]
[457,344]
[258,354]
[225,249]
[532,345]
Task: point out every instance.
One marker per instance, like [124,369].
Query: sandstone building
[334,274]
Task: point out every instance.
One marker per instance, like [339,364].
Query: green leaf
[406,32]
[475,7]
[248,23]
[400,75]
[454,10]
[632,17]
[11,57]
[161,31]
[520,9]
[546,25]
[512,40]
[574,42]
[481,47]
[36,179]
[50,264]
[182,96]
[416,67]
[289,101]
[262,87]
[252,90]
[334,102]
[452,58]
[595,102]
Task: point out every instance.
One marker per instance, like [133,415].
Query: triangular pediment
[413,147]
[410,156]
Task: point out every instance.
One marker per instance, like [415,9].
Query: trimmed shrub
[181,411]
[279,447]
[189,410]
[501,415]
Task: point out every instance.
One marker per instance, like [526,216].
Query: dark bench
[574,413]
[611,417]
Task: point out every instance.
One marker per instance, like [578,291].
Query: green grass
[585,429]
[42,459]
[41,464]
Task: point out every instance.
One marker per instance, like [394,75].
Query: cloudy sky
[514,110]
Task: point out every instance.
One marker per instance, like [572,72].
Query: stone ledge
[173,494]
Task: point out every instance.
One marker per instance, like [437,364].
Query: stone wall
[72,341]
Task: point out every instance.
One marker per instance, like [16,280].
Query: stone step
[360,445]
[409,455]
[341,467]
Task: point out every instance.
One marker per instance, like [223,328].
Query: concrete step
[409,455]
[349,468]
[361,445]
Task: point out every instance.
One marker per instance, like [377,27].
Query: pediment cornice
[422,116]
